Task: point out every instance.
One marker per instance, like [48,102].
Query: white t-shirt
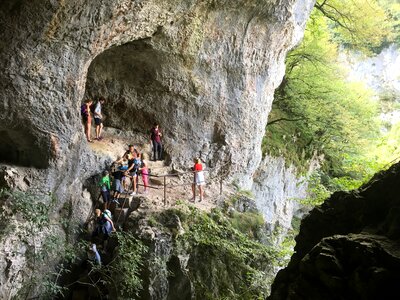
[97,110]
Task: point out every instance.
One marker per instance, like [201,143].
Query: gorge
[207,72]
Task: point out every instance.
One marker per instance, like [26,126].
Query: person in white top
[98,118]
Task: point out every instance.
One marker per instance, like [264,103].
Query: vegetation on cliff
[318,113]
[226,261]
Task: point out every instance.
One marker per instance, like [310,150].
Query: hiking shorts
[118,186]
[199,178]
[97,121]
[106,196]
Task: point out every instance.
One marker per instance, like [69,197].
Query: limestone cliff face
[205,70]
[277,189]
[348,248]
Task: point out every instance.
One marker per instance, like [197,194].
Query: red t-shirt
[198,167]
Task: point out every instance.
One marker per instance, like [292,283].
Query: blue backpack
[84,112]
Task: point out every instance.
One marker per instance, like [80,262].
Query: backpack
[84,112]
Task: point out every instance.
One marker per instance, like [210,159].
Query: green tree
[359,24]
[316,111]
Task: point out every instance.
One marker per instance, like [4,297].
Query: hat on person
[107,212]
[105,173]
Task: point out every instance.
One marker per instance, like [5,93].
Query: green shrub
[127,265]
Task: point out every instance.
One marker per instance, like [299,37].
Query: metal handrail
[175,175]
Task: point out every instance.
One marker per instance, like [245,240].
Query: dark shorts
[97,121]
[106,196]
[118,186]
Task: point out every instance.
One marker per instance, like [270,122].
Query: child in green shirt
[105,187]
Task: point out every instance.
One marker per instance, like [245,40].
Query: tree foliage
[359,24]
[316,111]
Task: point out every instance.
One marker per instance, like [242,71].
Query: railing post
[220,187]
[165,191]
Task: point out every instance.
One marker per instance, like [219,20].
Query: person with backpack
[155,137]
[104,226]
[87,118]
[98,117]
[105,187]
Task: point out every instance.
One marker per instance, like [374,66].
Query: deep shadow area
[127,76]
[20,147]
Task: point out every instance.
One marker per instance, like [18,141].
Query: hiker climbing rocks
[133,157]
[94,255]
[156,142]
[105,187]
[87,118]
[104,227]
[117,187]
[98,117]
[198,179]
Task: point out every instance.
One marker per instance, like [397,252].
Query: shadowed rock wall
[348,248]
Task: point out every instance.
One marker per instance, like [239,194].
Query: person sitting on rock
[105,188]
[155,140]
[87,119]
[198,179]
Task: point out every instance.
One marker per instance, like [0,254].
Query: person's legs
[201,192]
[154,150]
[194,191]
[87,130]
[145,182]
[101,129]
[134,183]
[97,121]
[159,150]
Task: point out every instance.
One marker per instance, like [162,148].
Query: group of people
[89,109]
[125,172]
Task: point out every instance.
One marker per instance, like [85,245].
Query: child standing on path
[105,188]
[198,179]
[145,176]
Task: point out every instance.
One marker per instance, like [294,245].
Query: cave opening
[21,147]
[131,79]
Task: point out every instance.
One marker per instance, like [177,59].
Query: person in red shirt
[156,142]
[198,179]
